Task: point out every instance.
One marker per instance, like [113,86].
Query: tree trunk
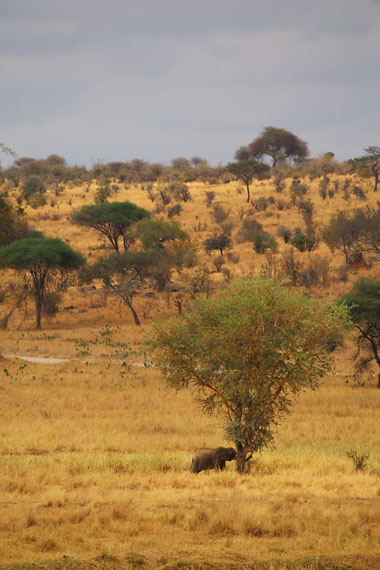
[378,380]
[376,180]
[127,301]
[129,305]
[248,192]
[38,311]
[241,458]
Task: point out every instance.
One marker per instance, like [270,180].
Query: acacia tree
[112,219]
[342,232]
[372,157]
[120,274]
[247,352]
[364,306]
[279,144]
[40,257]
[247,170]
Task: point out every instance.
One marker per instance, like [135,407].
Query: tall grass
[93,463]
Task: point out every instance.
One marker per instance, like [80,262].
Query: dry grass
[95,458]
[95,451]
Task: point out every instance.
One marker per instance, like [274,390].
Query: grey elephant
[205,458]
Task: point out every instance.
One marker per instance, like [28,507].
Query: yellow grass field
[95,450]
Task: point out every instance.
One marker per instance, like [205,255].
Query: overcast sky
[156,79]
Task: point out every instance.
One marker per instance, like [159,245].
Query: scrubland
[95,450]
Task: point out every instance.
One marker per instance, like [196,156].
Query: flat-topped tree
[279,144]
[40,257]
[112,219]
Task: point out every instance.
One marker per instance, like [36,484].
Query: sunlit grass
[92,462]
[95,452]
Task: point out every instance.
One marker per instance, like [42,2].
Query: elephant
[205,458]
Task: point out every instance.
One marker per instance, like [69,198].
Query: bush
[359,461]
[218,262]
[218,242]
[209,198]
[33,185]
[264,241]
[260,204]
[285,233]
[174,210]
[249,230]
[302,242]
[220,214]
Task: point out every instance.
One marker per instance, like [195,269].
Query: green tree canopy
[219,242]
[12,224]
[247,170]
[156,233]
[39,257]
[247,352]
[112,219]
[364,306]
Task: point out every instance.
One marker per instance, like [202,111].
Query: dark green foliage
[114,220]
[12,224]
[219,243]
[246,352]
[156,233]
[302,242]
[364,306]
[247,170]
[40,257]
[264,241]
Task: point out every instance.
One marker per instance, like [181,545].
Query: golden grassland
[95,451]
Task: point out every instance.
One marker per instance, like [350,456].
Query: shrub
[209,198]
[218,262]
[264,241]
[220,214]
[359,192]
[285,233]
[33,185]
[302,242]
[359,461]
[260,204]
[249,230]
[174,210]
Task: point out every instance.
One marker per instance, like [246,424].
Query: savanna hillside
[95,449]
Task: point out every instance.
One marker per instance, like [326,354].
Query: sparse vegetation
[99,442]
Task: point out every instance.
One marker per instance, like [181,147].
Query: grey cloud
[90,79]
